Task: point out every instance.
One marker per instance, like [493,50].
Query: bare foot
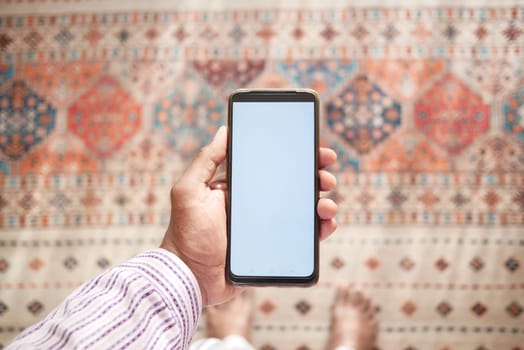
[232,317]
[353,320]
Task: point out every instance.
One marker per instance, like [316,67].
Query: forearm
[151,301]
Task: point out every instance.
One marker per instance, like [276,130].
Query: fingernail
[220,131]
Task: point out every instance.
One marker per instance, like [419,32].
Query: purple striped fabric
[150,302]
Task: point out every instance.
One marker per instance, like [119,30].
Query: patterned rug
[103,103]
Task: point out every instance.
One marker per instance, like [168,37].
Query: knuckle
[210,166]
[203,152]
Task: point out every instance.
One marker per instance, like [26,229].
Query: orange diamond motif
[409,308]
[372,263]
[105,117]
[429,199]
[451,114]
[267,306]
[36,264]
[266,33]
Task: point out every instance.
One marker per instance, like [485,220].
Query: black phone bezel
[273,96]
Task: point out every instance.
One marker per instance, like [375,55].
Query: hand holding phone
[197,231]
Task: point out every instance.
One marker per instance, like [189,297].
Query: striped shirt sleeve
[150,302]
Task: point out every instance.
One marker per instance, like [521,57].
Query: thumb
[205,164]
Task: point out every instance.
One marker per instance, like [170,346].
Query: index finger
[326,157]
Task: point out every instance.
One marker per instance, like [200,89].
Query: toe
[370,316]
[346,293]
[373,325]
[339,295]
[365,305]
[338,299]
[357,298]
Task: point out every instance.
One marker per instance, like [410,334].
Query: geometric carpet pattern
[103,104]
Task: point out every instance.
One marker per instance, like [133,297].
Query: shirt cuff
[179,288]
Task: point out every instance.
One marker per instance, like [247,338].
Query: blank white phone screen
[273,189]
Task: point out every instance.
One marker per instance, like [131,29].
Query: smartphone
[272,176]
